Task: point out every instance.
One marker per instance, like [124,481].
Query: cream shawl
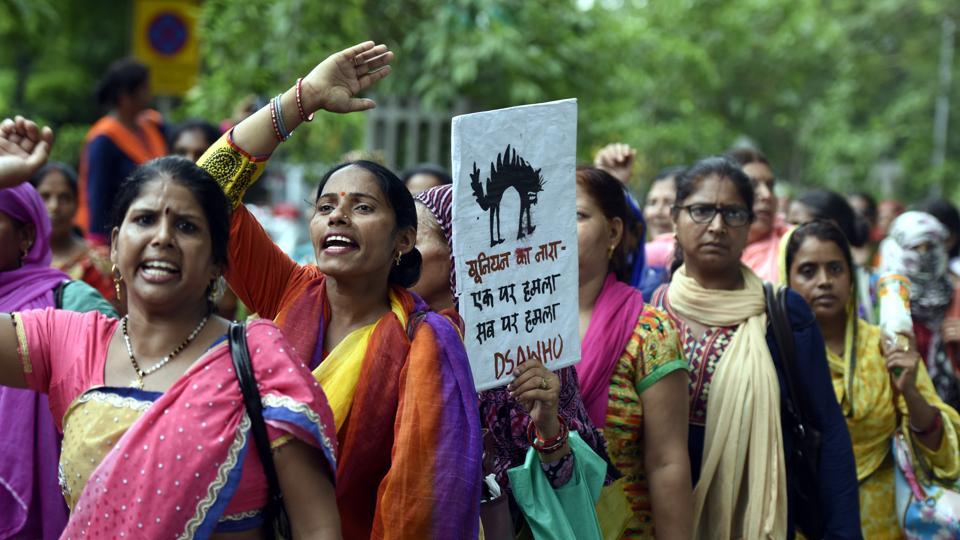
[742,491]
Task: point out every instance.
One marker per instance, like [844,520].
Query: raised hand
[335,83]
[24,148]
[617,159]
[538,391]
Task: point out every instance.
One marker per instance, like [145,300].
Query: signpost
[515,237]
[165,39]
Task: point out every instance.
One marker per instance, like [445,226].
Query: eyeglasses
[733,216]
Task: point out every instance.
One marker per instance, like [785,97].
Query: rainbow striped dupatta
[172,474]
[410,449]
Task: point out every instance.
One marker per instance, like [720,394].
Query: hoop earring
[397,259]
[117,280]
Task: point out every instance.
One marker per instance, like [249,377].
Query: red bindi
[342,194]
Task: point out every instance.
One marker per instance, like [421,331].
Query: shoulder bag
[276,521]
[806,448]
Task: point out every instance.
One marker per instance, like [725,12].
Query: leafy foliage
[833,92]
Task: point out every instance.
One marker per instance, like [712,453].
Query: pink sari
[189,458]
[614,318]
[763,256]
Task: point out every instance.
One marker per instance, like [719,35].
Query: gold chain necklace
[141,373]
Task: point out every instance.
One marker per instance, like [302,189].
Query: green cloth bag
[567,512]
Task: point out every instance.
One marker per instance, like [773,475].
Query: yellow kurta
[867,403]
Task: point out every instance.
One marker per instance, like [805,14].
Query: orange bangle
[550,445]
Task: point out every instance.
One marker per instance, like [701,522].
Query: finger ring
[543,384]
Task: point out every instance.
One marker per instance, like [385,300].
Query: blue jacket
[838,471]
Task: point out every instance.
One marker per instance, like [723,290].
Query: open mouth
[338,243]
[159,271]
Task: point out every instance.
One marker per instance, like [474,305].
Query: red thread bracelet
[303,114]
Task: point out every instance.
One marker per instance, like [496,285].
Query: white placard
[515,237]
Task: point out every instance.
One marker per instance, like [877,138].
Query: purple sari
[31,505]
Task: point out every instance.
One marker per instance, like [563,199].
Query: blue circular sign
[167,33]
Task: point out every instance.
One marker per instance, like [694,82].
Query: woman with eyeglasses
[741,439]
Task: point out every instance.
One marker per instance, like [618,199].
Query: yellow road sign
[165,39]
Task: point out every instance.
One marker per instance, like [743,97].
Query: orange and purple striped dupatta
[410,449]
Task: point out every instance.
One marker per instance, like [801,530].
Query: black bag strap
[275,514]
[58,294]
[783,334]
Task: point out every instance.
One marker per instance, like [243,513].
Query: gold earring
[399,256]
[610,252]
[117,280]
[215,290]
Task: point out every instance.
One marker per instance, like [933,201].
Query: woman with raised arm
[156,437]
[396,374]
[741,450]
[31,505]
[879,388]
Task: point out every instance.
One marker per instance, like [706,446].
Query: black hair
[870,212]
[667,173]
[407,272]
[66,170]
[825,204]
[747,155]
[609,195]
[210,131]
[824,230]
[123,77]
[946,213]
[204,188]
[435,171]
[688,181]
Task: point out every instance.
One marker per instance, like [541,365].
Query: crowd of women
[709,403]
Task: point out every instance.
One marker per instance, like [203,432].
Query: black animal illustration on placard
[509,171]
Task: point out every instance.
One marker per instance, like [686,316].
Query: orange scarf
[139,150]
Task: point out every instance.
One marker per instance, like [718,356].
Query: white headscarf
[930,288]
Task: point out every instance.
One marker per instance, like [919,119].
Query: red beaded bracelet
[303,114]
[550,445]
